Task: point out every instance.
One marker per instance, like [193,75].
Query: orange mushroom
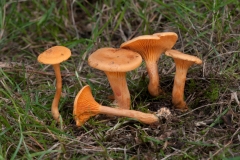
[85,107]
[55,56]
[183,62]
[150,47]
[115,63]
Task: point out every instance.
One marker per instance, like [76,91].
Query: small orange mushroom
[183,62]
[150,47]
[85,107]
[55,56]
[115,63]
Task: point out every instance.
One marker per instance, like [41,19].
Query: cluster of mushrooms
[115,62]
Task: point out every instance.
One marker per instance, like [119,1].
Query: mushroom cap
[84,106]
[142,43]
[182,56]
[114,60]
[168,39]
[54,55]
[149,46]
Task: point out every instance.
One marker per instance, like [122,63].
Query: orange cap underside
[144,47]
[85,106]
[150,45]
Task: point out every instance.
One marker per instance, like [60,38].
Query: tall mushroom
[54,56]
[183,62]
[85,107]
[150,47]
[115,63]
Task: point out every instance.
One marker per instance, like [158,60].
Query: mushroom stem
[179,84]
[119,86]
[85,106]
[154,79]
[146,118]
[55,102]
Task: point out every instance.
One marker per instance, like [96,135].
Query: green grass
[207,29]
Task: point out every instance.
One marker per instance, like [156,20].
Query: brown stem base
[181,105]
